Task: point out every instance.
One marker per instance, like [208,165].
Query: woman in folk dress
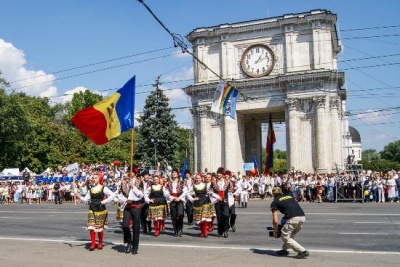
[98,214]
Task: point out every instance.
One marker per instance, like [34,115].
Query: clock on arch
[257,60]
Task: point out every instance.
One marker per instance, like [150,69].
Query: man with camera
[291,222]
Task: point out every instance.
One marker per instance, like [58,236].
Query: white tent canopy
[10,171]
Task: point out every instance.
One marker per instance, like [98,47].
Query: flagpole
[131,163]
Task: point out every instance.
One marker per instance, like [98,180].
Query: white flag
[218,97]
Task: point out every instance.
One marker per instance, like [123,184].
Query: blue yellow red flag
[110,117]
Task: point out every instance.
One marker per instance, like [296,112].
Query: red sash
[221,194]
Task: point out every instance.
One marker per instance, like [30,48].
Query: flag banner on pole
[217,97]
[221,98]
[110,117]
[225,98]
[254,171]
[184,168]
[269,161]
[232,112]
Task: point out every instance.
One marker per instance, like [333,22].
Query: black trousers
[128,238]
[57,198]
[177,213]
[232,216]
[222,210]
[189,212]
[146,225]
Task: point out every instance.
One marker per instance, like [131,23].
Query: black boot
[128,248]
[148,223]
[232,222]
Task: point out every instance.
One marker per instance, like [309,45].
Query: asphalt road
[349,234]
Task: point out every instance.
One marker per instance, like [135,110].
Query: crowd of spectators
[366,186]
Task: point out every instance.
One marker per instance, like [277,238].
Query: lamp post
[154,141]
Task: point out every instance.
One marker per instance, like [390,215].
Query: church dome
[355,135]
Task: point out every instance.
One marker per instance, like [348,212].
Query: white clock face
[257,60]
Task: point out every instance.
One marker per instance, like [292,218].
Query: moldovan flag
[269,161]
[110,117]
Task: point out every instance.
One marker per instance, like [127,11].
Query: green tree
[370,154]
[391,151]
[158,137]
[280,161]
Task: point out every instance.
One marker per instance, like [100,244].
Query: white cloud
[177,95]
[12,66]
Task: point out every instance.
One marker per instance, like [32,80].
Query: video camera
[271,230]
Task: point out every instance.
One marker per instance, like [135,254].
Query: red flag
[269,161]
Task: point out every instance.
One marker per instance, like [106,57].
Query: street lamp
[154,141]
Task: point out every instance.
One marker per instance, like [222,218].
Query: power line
[370,28]
[178,41]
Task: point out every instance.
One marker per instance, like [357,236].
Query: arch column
[321,133]
[231,144]
[334,103]
[292,133]
[204,154]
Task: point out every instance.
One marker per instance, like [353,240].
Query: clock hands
[258,60]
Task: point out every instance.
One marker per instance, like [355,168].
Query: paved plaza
[336,234]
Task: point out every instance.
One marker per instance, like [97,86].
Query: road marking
[377,222]
[330,213]
[380,233]
[18,218]
[203,247]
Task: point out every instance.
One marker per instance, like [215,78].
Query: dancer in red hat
[98,214]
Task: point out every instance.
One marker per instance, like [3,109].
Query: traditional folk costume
[156,198]
[210,227]
[122,195]
[98,214]
[189,206]
[231,203]
[131,218]
[244,195]
[145,186]
[221,189]
[261,186]
[177,197]
[203,208]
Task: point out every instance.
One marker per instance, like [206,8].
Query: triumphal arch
[285,68]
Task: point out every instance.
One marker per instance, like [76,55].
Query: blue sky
[54,48]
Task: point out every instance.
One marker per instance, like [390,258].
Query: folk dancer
[145,184]
[156,198]
[244,194]
[132,215]
[97,214]
[261,186]
[231,199]
[203,208]
[221,188]
[177,192]
[208,181]
[189,205]
[122,193]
